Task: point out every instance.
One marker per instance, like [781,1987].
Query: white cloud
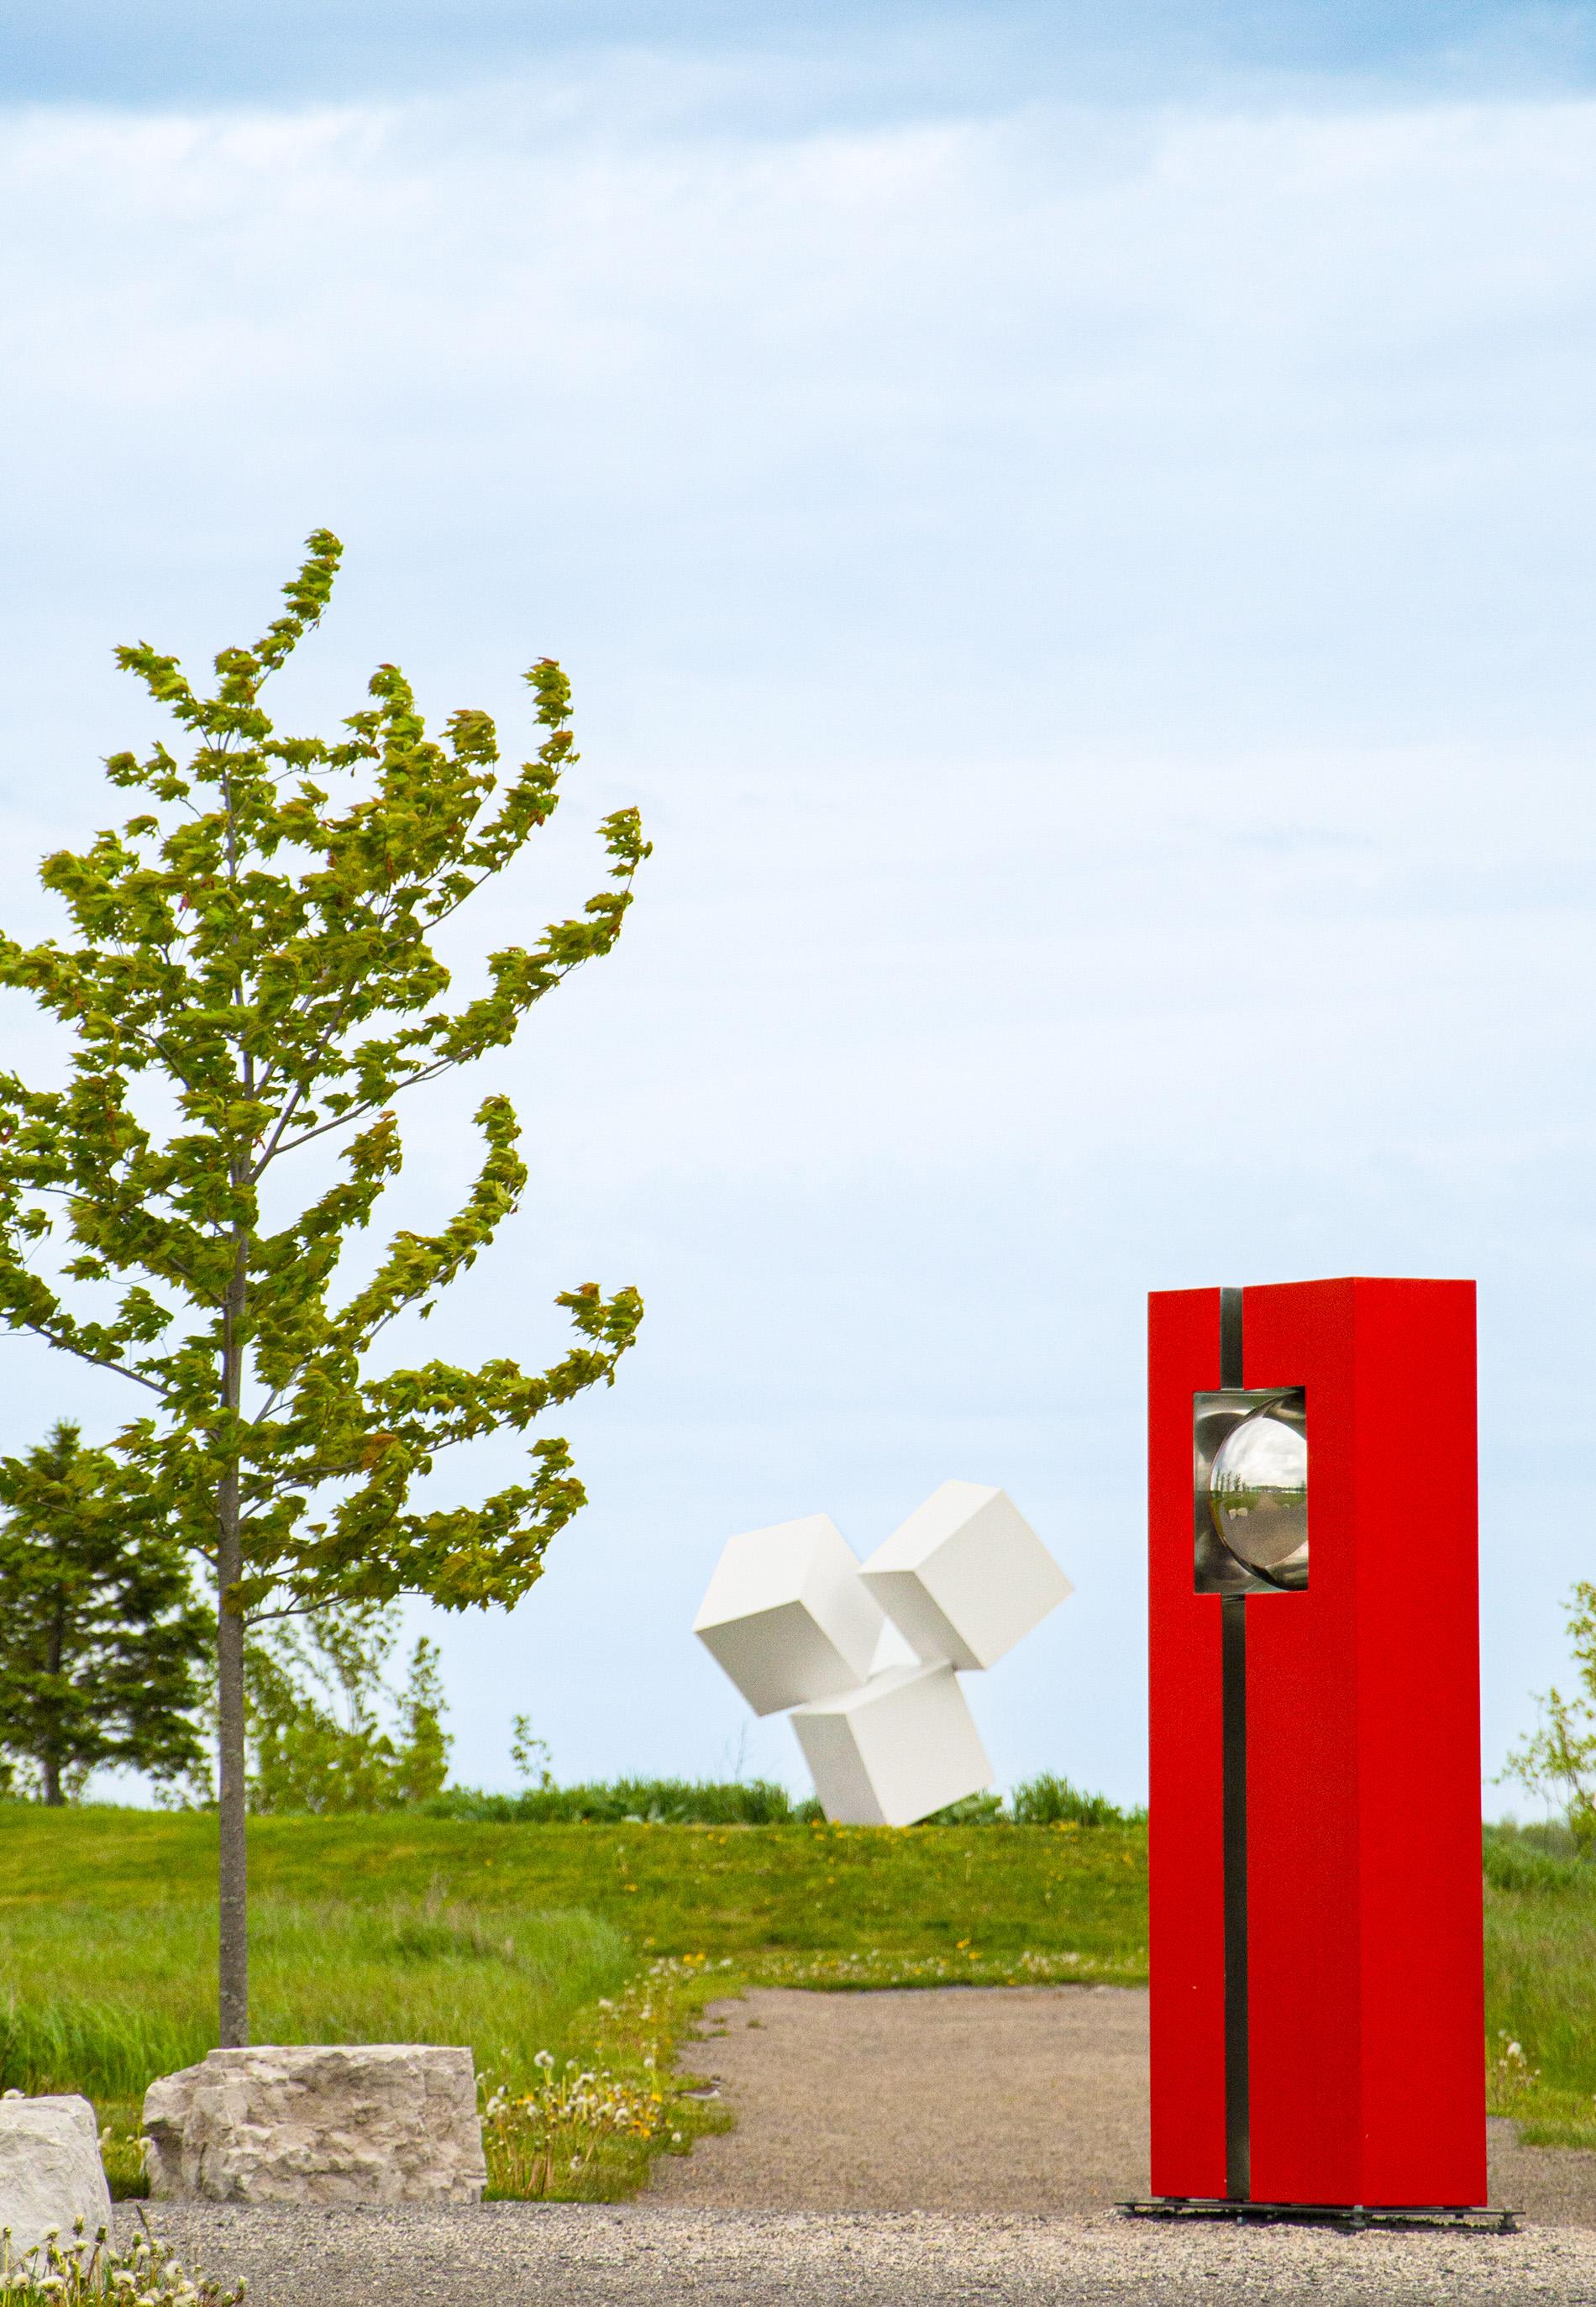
[1094,604]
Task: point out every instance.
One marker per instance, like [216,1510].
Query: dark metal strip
[1238,2112]
[1232,1610]
[1229,1338]
[1476,2218]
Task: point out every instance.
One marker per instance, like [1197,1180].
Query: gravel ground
[634,2255]
[989,2098]
[902,2150]
[985,2098]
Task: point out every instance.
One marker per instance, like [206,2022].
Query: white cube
[787,1616]
[965,1576]
[900,1748]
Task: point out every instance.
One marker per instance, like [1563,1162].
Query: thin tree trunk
[231,1805]
[51,1760]
[234,1885]
[233,1816]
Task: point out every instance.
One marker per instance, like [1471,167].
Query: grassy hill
[532,1944]
[977,1893]
[592,1943]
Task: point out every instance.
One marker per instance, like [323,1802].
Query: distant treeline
[1044,1801]
[1535,1857]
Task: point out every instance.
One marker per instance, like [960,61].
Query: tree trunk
[50,1761]
[233,1816]
[234,1886]
[233,1936]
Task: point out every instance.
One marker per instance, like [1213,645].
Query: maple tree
[253,971]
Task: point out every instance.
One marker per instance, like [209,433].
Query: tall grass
[635,1802]
[1047,1800]
[101,1999]
[1541,1986]
[529,1935]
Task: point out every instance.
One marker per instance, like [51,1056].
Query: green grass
[94,1998]
[1541,1984]
[1048,1800]
[618,1802]
[101,1998]
[513,1939]
[595,1943]
[752,1894]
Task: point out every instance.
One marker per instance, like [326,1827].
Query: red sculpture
[1320,2042]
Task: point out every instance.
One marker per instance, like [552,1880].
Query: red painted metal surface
[1365,1989]
[1186,1923]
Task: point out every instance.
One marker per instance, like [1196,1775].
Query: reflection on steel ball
[1258,1493]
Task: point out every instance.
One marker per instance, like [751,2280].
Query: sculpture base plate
[1482,2219]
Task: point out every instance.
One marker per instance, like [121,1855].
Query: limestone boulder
[50,2171]
[363,2122]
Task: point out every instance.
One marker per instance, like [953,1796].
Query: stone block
[362,2122]
[50,2171]
[903,1747]
[786,1616]
[965,1576]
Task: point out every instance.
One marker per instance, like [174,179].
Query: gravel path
[988,2099]
[991,2099]
[571,2255]
[911,2149]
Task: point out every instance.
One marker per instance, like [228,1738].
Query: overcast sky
[1079,541]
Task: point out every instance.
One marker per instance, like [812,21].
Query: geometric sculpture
[965,1576]
[900,1748]
[1316,1989]
[786,1616]
[865,1655]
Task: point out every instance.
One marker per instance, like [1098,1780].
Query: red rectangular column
[1365,1990]
[1186,1788]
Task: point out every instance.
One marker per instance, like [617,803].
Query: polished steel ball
[1258,1494]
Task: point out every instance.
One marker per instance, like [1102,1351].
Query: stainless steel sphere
[1258,1494]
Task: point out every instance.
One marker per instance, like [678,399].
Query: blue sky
[887,58]
[1080,546]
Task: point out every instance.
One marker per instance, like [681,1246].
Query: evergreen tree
[101,1637]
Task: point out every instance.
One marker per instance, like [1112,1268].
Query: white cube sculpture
[786,1615]
[900,1748]
[965,1576]
[866,1657]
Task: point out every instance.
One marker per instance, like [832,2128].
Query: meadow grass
[987,1895]
[570,1958]
[1540,1986]
[101,1998]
